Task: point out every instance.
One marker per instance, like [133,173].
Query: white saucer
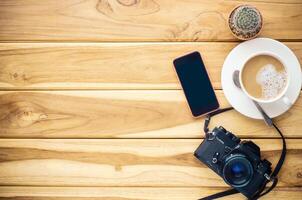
[235,60]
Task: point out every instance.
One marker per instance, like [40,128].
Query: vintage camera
[238,163]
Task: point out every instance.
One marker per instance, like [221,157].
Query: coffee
[264,77]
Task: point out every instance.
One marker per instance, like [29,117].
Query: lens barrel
[237,170]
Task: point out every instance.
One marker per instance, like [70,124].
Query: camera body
[237,162]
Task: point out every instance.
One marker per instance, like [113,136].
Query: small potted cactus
[245,22]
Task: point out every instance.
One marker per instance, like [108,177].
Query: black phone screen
[196,84]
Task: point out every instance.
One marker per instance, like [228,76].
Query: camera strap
[270,178]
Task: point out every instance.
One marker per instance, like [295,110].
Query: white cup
[282,96]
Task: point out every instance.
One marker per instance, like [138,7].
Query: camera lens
[237,171]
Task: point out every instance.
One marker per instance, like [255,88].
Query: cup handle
[286,101]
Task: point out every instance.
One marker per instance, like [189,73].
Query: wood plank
[129,193]
[123,114]
[105,65]
[120,162]
[145,20]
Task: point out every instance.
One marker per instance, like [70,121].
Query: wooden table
[91,107]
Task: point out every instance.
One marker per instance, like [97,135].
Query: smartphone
[196,84]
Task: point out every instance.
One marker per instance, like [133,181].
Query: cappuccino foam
[272,82]
[264,77]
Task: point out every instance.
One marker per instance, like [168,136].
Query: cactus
[245,22]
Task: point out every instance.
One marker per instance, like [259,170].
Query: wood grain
[122,114]
[120,162]
[105,65]
[129,193]
[77,72]
[144,20]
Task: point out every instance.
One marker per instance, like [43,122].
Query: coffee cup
[265,78]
